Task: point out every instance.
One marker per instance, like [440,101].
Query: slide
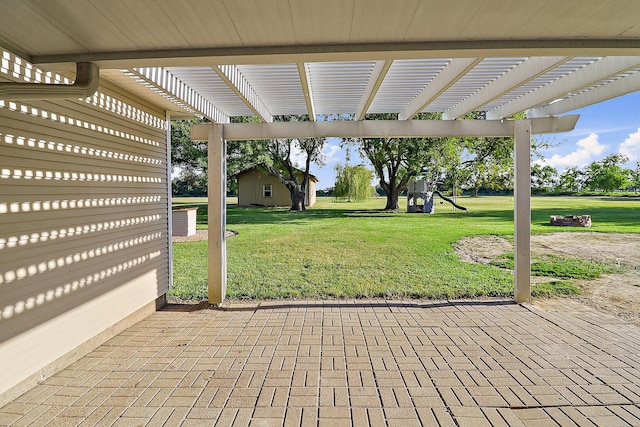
[451,201]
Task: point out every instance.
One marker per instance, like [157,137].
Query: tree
[607,174]
[543,178]
[487,163]
[188,159]
[635,177]
[353,183]
[572,179]
[279,162]
[396,160]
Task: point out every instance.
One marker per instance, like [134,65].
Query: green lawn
[354,250]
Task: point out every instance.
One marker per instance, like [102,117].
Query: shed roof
[242,172]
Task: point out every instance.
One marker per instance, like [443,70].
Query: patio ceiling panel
[236,81]
[487,71]
[404,81]
[206,81]
[378,74]
[589,73]
[552,75]
[454,71]
[524,72]
[619,85]
[278,87]
[338,87]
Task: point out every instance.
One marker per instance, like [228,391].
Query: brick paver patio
[352,363]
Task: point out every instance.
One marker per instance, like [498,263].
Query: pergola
[87,89]
[226,59]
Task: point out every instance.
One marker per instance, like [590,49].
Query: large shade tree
[396,160]
[281,163]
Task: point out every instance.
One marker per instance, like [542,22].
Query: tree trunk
[392,199]
[297,199]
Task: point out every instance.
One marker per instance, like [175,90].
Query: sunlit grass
[355,250]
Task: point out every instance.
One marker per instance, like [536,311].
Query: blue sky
[605,128]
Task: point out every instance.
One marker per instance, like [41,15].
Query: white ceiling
[266,58]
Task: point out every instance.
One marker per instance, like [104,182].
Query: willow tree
[353,183]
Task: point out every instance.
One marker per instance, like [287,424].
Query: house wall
[311,194]
[83,224]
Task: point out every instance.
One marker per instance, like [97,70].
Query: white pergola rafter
[601,69]
[521,130]
[236,81]
[526,71]
[303,71]
[162,81]
[380,70]
[453,72]
[619,87]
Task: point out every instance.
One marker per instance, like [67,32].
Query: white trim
[169,197]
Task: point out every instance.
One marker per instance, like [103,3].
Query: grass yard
[355,250]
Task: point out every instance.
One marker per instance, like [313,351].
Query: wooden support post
[522,211]
[217,214]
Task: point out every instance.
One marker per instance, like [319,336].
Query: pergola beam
[303,72]
[524,72]
[380,70]
[346,52]
[601,69]
[383,128]
[454,70]
[236,81]
[619,87]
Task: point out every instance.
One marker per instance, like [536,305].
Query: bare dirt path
[618,293]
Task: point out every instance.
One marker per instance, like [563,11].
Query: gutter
[86,84]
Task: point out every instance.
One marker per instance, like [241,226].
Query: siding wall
[251,182]
[250,186]
[83,220]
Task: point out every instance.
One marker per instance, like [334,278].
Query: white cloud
[631,146]
[588,150]
[298,157]
[332,154]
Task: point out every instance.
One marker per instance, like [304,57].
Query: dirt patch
[618,293]
[200,235]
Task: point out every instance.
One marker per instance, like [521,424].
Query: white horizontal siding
[83,222]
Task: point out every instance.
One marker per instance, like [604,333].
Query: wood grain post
[522,211]
[217,214]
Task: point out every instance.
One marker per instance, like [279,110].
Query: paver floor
[352,363]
